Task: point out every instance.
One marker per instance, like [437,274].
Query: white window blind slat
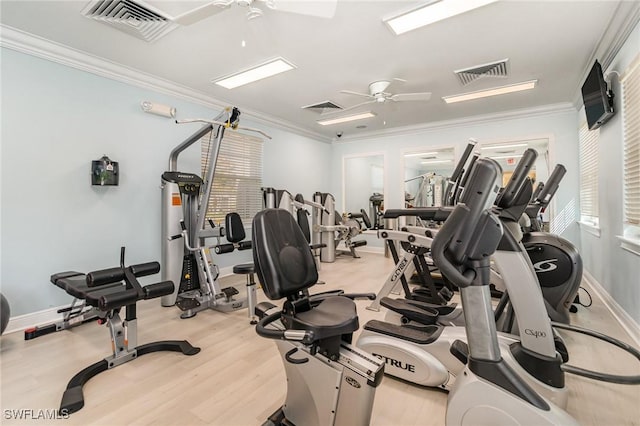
[588,158]
[631,120]
[237,181]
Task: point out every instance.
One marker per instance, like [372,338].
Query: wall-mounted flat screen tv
[598,101]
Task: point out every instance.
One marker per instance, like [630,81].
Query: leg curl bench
[109,290]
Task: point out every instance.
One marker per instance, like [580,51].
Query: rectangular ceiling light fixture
[436,161]
[421,154]
[503,157]
[433,11]
[512,145]
[267,69]
[527,85]
[329,121]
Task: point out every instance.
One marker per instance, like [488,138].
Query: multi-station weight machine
[186,258]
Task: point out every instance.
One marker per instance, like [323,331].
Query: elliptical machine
[327,386]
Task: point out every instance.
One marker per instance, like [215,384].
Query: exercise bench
[107,291]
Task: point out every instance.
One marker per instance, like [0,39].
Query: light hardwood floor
[238,378]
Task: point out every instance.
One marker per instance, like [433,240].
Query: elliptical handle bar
[450,190]
[465,156]
[458,238]
[510,192]
[550,188]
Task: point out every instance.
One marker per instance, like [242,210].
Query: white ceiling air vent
[323,107]
[493,69]
[135,18]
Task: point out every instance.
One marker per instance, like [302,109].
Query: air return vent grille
[493,69]
[322,107]
[134,18]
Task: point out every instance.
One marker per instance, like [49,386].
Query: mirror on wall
[363,184]
[507,154]
[425,175]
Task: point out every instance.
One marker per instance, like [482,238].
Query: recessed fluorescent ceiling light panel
[502,157]
[491,92]
[268,69]
[436,161]
[512,145]
[432,12]
[344,119]
[421,154]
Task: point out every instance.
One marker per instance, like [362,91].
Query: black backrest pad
[281,254]
[303,222]
[234,228]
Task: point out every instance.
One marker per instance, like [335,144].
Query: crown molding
[623,21]
[545,110]
[30,44]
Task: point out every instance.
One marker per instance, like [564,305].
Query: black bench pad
[75,284]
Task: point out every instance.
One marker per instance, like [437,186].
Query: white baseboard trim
[624,319]
[21,322]
[365,249]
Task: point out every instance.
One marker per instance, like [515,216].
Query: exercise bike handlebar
[304,336]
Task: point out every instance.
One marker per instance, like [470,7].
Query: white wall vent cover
[493,69]
[134,18]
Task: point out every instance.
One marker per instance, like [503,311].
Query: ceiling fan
[319,8]
[377,94]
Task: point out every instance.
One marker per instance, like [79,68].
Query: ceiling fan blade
[351,107]
[199,13]
[319,8]
[402,97]
[349,92]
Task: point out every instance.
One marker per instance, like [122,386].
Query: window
[588,157]
[631,178]
[238,176]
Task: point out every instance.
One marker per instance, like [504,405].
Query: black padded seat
[334,316]
[244,268]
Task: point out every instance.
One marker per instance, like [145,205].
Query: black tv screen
[598,101]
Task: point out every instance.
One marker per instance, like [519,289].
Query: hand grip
[163,288]
[245,245]
[224,248]
[287,356]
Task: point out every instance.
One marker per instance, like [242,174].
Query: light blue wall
[617,270]
[558,126]
[55,121]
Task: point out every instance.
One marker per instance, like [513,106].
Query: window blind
[588,146]
[631,119]
[237,181]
